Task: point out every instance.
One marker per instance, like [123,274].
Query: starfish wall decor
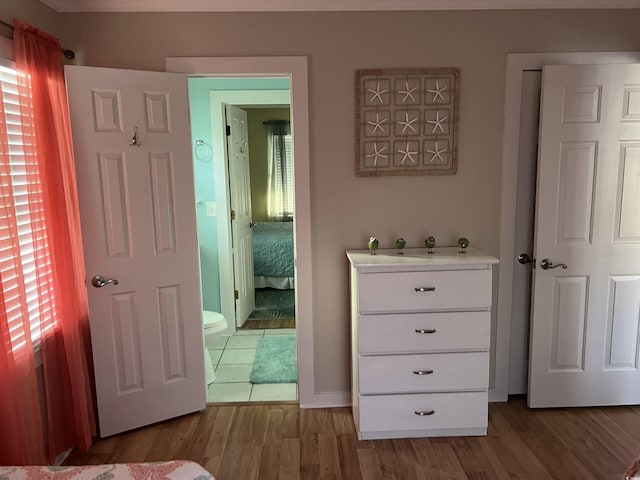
[407,121]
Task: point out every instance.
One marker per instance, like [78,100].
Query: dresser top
[412,257]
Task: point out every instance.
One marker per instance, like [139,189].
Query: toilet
[214,324]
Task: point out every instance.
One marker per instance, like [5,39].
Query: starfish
[437,153]
[437,92]
[408,92]
[378,123]
[437,123]
[377,154]
[407,123]
[377,93]
[407,155]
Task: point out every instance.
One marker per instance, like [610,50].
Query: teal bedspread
[273,249]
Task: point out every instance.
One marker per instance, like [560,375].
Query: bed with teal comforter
[273,249]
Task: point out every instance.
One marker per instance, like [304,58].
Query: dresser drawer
[424,332]
[465,410]
[417,291]
[424,373]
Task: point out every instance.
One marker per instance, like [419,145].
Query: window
[283,185]
[24,259]
[281,179]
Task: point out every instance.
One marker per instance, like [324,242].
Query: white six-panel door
[137,210]
[240,192]
[584,333]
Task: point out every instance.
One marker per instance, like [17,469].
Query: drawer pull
[425,330]
[424,413]
[425,289]
[423,372]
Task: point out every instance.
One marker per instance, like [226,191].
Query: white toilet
[214,324]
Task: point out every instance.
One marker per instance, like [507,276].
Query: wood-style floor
[281,441]
[269,323]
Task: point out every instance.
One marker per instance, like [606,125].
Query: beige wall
[346,210]
[39,15]
[258,156]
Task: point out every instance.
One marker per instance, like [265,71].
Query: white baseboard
[327,400]
[343,399]
[496,396]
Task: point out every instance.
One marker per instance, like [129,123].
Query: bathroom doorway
[255,358]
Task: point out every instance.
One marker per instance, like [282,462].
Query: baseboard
[496,396]
[327,400]
[343,399]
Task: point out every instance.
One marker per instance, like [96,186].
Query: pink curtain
[66,351]
[20,415]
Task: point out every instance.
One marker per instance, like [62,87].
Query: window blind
[27,278]
[285,183]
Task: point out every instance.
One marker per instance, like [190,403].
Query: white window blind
[286,200]
[21,273]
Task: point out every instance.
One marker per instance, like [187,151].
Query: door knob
[547,264]
[99,281]
[523,258]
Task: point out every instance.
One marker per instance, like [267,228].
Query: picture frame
[406,121]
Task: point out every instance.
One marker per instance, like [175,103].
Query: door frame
[516,64]
[218,99]
[295,68]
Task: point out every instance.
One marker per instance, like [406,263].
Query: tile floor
[233,360]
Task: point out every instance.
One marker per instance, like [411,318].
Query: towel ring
[203,151]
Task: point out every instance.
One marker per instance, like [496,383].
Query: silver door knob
[547,264]
[523,258]
[99,281]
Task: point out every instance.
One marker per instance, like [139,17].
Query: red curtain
[65,344]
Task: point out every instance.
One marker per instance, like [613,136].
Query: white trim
[218,99]
[516,64]
[296,69]
[327,400]
[324,5]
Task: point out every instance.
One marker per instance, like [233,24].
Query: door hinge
[236,295]
[233,214]
[228,130]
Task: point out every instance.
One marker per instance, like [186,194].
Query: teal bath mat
[276,360]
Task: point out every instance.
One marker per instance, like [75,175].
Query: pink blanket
[174,470]
[633,472]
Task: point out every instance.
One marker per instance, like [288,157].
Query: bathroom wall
[200,111]
[259,157]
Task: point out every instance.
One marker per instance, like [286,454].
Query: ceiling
[324,5]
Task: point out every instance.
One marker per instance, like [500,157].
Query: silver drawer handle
[423,372]
[424,413]
[425,289]
[425,330]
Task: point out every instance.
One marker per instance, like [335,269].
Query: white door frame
[218,98]
[295,68]
[516,64]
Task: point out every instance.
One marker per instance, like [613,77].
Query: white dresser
[420,333]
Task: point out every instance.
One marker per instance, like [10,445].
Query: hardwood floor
[269,323]
[281,441]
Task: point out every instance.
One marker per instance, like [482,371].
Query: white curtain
[281,185]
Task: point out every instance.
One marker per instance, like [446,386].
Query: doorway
[235,121]
[296,69]
[510,369]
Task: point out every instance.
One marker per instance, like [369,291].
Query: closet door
[586,282]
